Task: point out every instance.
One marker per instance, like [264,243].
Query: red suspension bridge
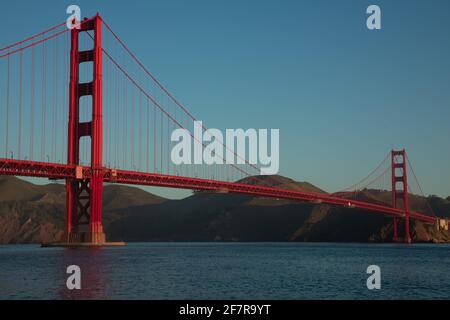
[120,118]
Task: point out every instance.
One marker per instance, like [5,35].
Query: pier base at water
[82,244]
[84,239]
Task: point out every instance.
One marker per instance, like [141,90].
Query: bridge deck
[62,171]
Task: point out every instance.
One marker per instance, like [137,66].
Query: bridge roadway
[63,171]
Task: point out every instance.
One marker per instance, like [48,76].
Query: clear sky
[341,95]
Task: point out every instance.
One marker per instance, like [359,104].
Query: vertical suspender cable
[8,76]
[20,105]
[43,101]
[32,102]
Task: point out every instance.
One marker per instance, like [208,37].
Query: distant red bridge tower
[400,190]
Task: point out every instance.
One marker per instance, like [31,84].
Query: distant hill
[32,213]
[117,197]
[277,181]
[13,189]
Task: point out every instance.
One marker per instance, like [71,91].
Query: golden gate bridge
[77,104]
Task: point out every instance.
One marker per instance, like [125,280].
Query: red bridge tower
[400,190]
[84,195]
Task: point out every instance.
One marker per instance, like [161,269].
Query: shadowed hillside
[32,213]
[208,216]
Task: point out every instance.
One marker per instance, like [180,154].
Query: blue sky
[341,95]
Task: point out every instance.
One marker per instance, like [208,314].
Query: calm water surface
[227,271]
